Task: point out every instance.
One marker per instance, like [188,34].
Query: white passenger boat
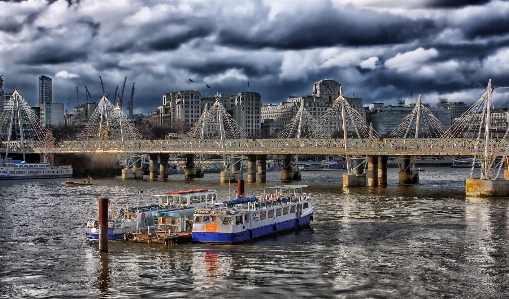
[280,209]
[18,170]
[172,210]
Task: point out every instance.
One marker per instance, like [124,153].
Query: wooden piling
[240,188]
[103,224]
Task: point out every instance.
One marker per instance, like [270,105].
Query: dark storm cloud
[329,27]
[376,50]
[453,3]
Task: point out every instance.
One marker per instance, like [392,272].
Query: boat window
[227,220]
[306,205]
[292,209]
[238,219]
[278,212]
[198,219]
[271,213]
[262,215]
[285,210]
[246,218]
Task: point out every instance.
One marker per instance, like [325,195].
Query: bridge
[216,133]
[304,146]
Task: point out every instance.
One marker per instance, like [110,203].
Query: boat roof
[187,192]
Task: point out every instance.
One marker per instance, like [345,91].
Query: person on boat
[89,179]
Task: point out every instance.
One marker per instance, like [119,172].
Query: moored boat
[174,209]
[284,208]
[19,170]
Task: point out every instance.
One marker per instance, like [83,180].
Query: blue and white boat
[280,209]
[173,209]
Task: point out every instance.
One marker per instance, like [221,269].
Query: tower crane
[102,85]
[88,94]
[78,94]
[130,104]
[122,94]
[115,96]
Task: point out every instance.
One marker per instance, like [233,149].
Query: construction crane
[122,94]
[130,104]
[78,94]
[115,96]
[88,94]
[102,85]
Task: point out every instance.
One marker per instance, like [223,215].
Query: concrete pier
[406,174]
[355,177]
[153,167]
[251,168]
[372,171]
[190,170]
[137,169]
[163,166]
[382,170]
[287,169]
[487,188]
[262,168]
[238,173]
[127,173]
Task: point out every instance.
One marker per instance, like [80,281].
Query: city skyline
[378,51]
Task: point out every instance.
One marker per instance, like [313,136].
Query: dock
[160,238]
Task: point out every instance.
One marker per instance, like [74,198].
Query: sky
[379,50]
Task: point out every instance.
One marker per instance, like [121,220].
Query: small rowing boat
[80,183]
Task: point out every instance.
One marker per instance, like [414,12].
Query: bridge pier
[355,176]
[287,169]
[163,166]
[234,173]
[189,169]
[262,168]
[251,168]
[137,169]
[372,171]
[487,188]
[153,167]
[382,170]
[406,174]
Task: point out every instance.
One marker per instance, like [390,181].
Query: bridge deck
[363,147]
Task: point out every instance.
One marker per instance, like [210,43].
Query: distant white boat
[20,170]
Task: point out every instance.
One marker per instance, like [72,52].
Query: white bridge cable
[302,125]
[208,125]
[31,128]
[420,119]
[331,122]
[109,122]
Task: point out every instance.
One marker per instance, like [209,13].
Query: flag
[190,80]
[207,86]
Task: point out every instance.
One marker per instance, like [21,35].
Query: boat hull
[113,235]
[254,233]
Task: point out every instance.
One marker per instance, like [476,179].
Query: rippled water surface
[426,240]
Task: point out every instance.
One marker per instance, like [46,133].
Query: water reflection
[104,273]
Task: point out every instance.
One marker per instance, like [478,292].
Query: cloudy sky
[380,50]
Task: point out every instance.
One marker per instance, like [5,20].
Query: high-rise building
[45,90]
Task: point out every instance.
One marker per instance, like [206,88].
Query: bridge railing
[420,146]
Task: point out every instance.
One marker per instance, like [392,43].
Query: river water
[426,240]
